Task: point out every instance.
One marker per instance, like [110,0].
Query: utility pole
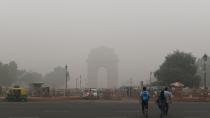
[205,76]
[131,82]
[80,82]
[84,83]
[76,82]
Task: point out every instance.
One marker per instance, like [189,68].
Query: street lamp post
[80,82]
[66,67]
[150,79]
[205,57]
[131,84]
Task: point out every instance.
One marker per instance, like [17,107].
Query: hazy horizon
[40,35]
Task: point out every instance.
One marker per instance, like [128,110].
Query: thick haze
[42,34]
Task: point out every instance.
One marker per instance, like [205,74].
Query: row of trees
[180,67]
[11,75]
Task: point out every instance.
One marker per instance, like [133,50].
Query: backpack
[162,98]
[145,96]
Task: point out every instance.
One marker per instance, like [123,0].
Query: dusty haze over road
[42,34]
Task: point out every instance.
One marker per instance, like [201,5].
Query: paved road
[96,109]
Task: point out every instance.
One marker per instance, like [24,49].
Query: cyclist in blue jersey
[144,97]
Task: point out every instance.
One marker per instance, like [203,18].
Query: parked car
[85,93]
[91,93]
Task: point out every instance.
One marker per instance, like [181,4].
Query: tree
[179,66]
[27,78]
[8,73]
[56,78]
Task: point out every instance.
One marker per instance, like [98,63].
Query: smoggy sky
[42,34]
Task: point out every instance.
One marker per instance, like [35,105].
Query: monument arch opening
[102,77]
[106,58]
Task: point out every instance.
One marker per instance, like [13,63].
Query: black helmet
[162,94]
[166,88]
[144,88]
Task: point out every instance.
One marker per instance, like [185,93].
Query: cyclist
[144,97]
[168,98]
[161,102]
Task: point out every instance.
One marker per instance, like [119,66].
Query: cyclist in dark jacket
[161,101]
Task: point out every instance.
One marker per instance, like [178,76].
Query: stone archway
[102,57]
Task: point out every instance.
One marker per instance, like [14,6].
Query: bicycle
[145,110]
[163,110]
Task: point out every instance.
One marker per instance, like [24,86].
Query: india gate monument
[106,58]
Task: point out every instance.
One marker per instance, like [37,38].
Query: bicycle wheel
[146,113]
[162,114]
[165,111]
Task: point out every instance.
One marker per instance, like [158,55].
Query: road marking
[127,111]
[112,117]
[197,111]
[57,111]
[24,117]
[192,117]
